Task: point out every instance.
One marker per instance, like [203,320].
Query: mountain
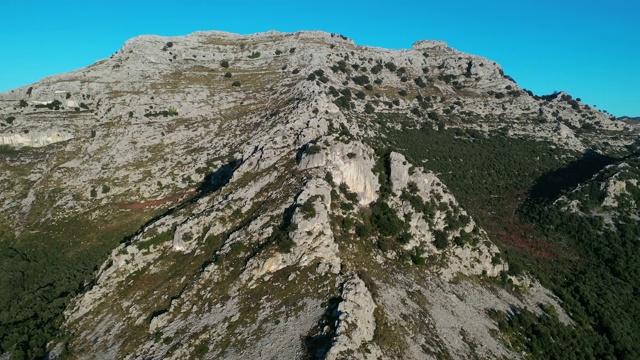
[629,118]
[298,196]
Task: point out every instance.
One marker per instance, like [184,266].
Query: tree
[385,219]
[440,240]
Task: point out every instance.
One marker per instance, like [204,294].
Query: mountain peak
[292,191]
[427,44]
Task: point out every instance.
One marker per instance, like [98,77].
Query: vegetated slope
[629,118]
[599,217]
[251,190]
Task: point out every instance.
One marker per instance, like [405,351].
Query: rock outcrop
[230,185]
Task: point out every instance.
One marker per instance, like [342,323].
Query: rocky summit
[297,196]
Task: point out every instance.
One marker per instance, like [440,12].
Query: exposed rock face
[356,322]
[35,139]
[245,171]
[350,164]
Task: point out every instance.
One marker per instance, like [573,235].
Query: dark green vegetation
[54,105]
[509,186]
[545,337]
[164,113]
[603,288]
[40,271]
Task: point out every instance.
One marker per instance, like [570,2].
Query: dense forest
[511,186]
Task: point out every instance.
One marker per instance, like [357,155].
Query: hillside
[298,196]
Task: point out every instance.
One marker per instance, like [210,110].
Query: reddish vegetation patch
[504,227]
[535,247]
[520,193]
[156,203]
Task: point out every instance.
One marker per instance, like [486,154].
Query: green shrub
[385,220]
[314,149]
[236,84]
[417,258]
[351,196]
[364,230]
[308,209]
[369,109]
[447,78]
[228,74]
[280,236]
[404,237]
[347,223]
[440,240]
[10,119]
[54,105]
[361,80]
[328,178]
[105,188]
[345,206]
[391,66]
[383,244]
[254,55]
[224,63]
[341,67]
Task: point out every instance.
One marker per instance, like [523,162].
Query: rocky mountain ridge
[239,194]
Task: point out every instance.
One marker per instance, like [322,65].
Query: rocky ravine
[247,158]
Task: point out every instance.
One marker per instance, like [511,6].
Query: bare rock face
[35,139]
[356,322]
[312,237]
[227,188]
[350,164]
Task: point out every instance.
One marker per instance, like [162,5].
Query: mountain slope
[199,194]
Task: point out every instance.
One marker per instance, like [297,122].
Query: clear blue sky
[589,48]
